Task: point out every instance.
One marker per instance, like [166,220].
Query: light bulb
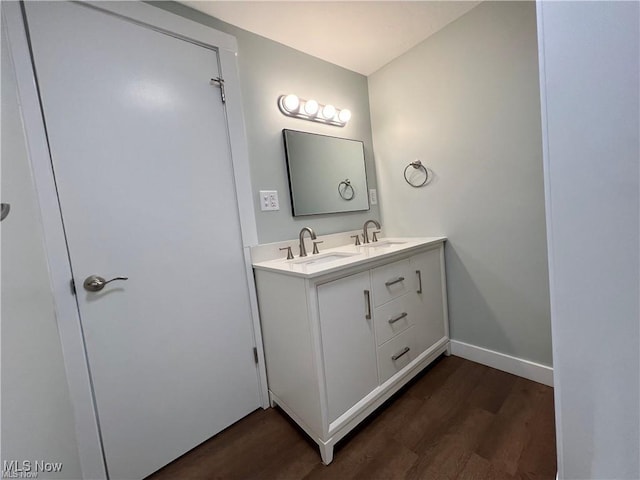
[311,107]
[291,103]
[344,115]
[328,111]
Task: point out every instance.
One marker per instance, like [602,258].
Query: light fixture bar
[292,106]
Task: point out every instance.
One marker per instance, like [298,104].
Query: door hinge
[255,354]
[72,284]
[219,82]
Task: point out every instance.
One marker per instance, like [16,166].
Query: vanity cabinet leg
[326,452]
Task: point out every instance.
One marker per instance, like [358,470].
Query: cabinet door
[430,324]
[348,342]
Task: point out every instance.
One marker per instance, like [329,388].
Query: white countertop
[328,261]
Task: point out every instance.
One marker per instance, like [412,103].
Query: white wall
[267,70]
[466,102]
[590,64]
[37,417]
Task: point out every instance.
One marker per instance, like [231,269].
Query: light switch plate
[373,196]
[269,200]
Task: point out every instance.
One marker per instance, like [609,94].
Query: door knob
[4,211]
[94,283]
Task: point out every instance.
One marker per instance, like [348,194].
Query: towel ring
[347,192]
[417,165]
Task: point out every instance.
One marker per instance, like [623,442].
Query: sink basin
[322,258]
[383,244]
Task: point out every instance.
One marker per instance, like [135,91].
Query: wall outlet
[373,196]
[269,200]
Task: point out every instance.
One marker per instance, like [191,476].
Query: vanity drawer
[397,353]
[395,316]
[391,281]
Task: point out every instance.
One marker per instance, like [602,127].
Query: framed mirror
[326,174]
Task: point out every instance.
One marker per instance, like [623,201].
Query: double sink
[342,256]
[328,257]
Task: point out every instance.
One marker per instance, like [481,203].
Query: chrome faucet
[365,234]
[312,234]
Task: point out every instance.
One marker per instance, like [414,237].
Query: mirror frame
[290,178]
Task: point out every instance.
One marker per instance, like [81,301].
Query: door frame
[66,309]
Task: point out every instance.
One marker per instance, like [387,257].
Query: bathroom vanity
[343,330]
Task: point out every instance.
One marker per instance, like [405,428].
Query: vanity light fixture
[311,107]
[328,112]
[291,103]
[293,106]
[344,115]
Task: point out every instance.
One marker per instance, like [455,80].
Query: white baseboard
[500,361]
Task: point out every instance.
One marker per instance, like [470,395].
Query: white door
[348,341]
[139,146]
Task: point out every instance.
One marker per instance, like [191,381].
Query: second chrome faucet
[365,233]
[312,234]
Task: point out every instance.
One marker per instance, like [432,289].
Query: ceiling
[362,36]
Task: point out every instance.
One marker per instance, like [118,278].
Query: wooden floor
[459,420]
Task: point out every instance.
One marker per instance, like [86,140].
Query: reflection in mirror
[326,174]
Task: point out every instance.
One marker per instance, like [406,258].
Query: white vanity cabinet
[339,342]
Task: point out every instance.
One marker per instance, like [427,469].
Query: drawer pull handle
[367,305]
[388,283]
[397,317]
[419,281]
[400,353]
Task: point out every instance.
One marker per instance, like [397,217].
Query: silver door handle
[419,281]
[95,283]
[400,353]
[367,305]
[388,283]
[397,317]
[5,208]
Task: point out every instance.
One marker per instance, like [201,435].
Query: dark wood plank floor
[459,420]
